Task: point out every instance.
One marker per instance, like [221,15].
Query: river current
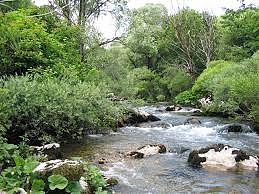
[169,173]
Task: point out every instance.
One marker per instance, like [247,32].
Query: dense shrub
[205,82]
[54,109]
[233,86]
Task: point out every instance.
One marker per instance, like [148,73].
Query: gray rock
[237,128]
[137,116]
[161,124]
[192,121]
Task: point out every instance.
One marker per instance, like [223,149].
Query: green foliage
[30,42]
[145,34]
[239,34]
[73,187]
[233,86]
[204,83]
[192,36]
[11,5]
[173,81]
[38,186]
[19,174]
[57,182]
[187,98]
[95,179]
[54,109]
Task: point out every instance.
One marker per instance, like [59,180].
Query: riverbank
[168,172]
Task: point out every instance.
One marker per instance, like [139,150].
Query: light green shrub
[54,109]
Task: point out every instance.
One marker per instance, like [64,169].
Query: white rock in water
[149,150]
[251,163]
[229,158]
[223,157]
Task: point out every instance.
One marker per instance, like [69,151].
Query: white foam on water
[201,131]
[121,171]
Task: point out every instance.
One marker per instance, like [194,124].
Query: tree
[144,35]
[30,42]
[84,13]
[239,34]
[10,5]
[193,40]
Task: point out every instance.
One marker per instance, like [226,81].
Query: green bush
[233,86]
[95,178]
[209,77]
[54,109]
[187,98]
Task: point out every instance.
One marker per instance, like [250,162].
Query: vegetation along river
[169,172]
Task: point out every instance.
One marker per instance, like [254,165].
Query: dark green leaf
[73,187]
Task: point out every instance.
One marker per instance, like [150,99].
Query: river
[169,173]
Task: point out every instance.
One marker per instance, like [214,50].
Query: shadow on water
[169,172]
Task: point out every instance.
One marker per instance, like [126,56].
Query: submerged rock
[223,157]
[147,150]
[192,121]
[173,108]
[137,116]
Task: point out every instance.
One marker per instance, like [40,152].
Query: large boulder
[223,157]
[236,128]
[52,150]
[147,150]
[72,170]
[137,116]
[192,121]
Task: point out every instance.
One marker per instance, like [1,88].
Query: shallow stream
[169,173]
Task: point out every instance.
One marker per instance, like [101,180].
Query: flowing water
[169,173]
